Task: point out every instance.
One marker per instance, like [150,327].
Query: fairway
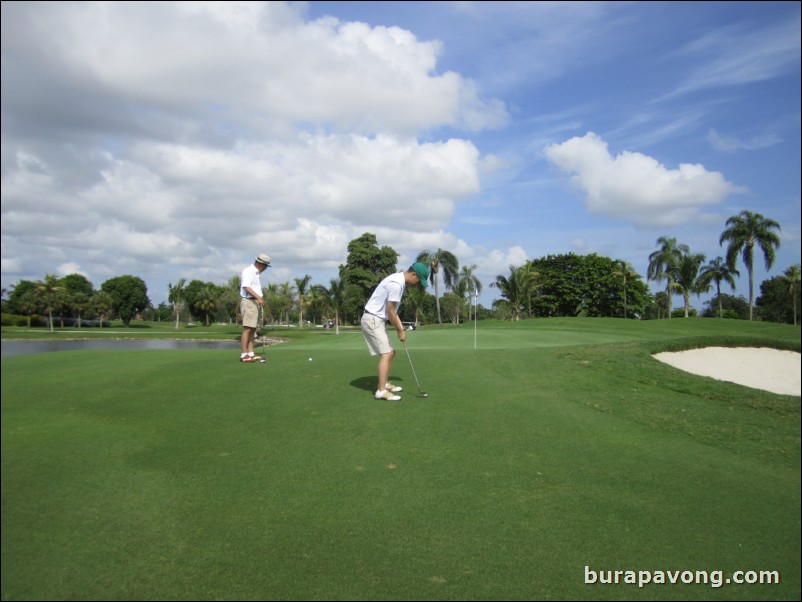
[548,452]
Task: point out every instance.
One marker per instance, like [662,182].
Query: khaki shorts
[251,313]
[375,333]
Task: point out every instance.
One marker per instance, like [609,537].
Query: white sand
[758,368]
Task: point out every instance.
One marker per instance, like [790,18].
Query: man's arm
[396,321]
[253,294]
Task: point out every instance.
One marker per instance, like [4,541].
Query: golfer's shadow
[368,383]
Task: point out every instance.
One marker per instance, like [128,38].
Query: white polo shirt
[390,289]
[250,278]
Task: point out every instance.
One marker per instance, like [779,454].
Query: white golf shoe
[386,396]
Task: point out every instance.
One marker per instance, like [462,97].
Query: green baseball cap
[422,270]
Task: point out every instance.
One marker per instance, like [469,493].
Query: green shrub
[16,320]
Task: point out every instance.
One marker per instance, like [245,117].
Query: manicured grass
[552,446]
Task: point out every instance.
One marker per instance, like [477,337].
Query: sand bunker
[758,368]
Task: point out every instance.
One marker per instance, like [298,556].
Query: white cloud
[235,128]
[250,63]
[736,55]
[731,144]
[498,261]
[177,139]
[636,187]
[305,199]
[65,269]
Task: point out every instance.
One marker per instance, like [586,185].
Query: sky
[171,140]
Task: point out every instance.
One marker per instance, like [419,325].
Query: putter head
[423,394]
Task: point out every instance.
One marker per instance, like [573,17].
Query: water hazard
[17,347]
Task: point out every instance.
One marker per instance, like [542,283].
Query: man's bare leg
[385,362]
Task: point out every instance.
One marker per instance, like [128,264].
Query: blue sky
[178,140]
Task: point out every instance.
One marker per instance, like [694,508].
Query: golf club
[417,382]
[262,332]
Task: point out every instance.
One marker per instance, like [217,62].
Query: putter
[417,382]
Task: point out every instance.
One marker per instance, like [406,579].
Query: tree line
[571,285]
[551,286]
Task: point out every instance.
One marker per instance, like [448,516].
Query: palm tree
[529,278]
[79,302]
[174,296]
[685,278]
[662,301]
[662,261]
[318,303]
[49,292]
[335,297]
[272,306]
[27,304]
[302,285]
[62,304]
[718,271]
[230,299]
[101,304]
[745,231]
[416,299]
[206,301]
[514,289]
[286,300]
[792,275]
[472,285]
[450,266]
[625,271]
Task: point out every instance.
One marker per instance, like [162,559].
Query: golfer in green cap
[381,307]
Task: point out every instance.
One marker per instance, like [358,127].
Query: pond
[17,347]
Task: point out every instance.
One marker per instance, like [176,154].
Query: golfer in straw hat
[381,307]
[252,306]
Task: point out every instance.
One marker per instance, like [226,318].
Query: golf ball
[310,359]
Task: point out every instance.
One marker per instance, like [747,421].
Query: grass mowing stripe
[187,475]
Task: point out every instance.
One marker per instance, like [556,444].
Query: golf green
[552,459]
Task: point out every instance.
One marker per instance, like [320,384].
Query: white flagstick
[475,298]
